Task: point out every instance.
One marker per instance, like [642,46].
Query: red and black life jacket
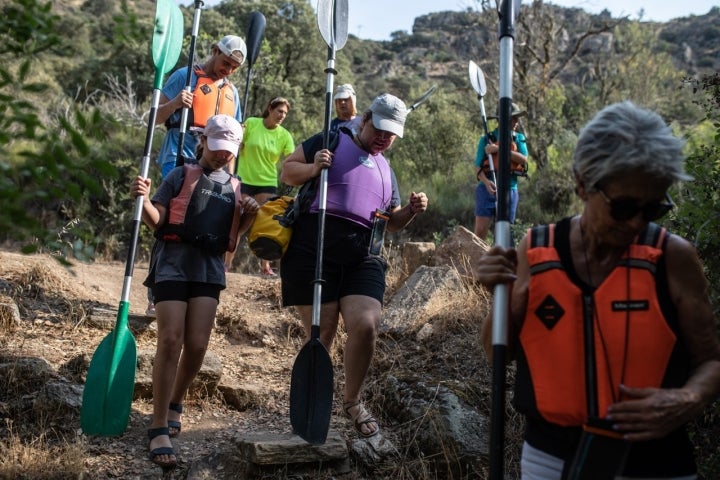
[205,213]
[209,98]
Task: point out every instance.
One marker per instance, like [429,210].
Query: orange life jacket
[209,98]
[205,214]
[634,339]
[518,169]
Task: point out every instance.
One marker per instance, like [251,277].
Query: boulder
[439,421]
[415,254]
[457,251]
[408,309]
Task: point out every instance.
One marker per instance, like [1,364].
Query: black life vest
[205,213]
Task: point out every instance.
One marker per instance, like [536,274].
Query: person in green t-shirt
[265,143]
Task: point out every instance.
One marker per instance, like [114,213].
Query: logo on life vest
[217,195]
[549,312]
[366,162]
[205,89]
[630,305]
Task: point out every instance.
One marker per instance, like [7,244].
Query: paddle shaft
[487,137]
[422,99]
[322,202]
[179,158]
[501,303]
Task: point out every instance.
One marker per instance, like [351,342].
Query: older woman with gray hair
[609,322]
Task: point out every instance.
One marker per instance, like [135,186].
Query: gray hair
[623,138]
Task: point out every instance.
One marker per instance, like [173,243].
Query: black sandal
[156,452]
[175,425]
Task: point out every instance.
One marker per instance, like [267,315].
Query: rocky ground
[256,340]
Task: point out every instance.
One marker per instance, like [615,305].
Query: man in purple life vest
[363,201]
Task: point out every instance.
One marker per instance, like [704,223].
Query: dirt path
[254,337]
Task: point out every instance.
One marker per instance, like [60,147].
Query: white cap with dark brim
[231,45]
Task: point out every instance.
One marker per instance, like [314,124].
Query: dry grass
[38,458]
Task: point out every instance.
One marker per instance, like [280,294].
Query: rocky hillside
[428,384]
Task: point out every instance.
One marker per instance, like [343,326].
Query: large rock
[439,422]
[458,249]
[415,254]
[263,452]
[411,305]
[9,313]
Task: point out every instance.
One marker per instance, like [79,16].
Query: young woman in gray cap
[362,195]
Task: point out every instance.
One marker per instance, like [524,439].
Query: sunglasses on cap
[623,209]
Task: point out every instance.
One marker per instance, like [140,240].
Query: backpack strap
[306,194]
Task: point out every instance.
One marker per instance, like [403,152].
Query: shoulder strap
[306,194]
[653,236]
[541,236]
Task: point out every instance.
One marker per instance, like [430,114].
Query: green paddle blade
[167,38]
[311,393]
[108,392]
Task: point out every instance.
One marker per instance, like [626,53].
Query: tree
[545,52]
[42,164]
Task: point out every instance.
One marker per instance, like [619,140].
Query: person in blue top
[211,93]
[485,192]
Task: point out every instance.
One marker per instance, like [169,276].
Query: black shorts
[347,267]
[253,190]
[184,291]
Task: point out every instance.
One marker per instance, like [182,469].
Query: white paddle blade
[516,8]
[332,17]
[477,79]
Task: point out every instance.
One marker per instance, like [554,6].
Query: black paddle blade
[311,393]
[254,36]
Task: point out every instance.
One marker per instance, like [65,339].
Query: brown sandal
[361,417]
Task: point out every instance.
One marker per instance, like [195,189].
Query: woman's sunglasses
[623,209]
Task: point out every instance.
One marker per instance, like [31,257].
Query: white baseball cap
[234,47]
[223,132]
[344,91]
[389,113]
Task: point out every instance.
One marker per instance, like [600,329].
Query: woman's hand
[250,206]
[497,266]
[490,186]
[650,413]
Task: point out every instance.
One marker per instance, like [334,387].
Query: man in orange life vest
[211,93]
[610,323]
